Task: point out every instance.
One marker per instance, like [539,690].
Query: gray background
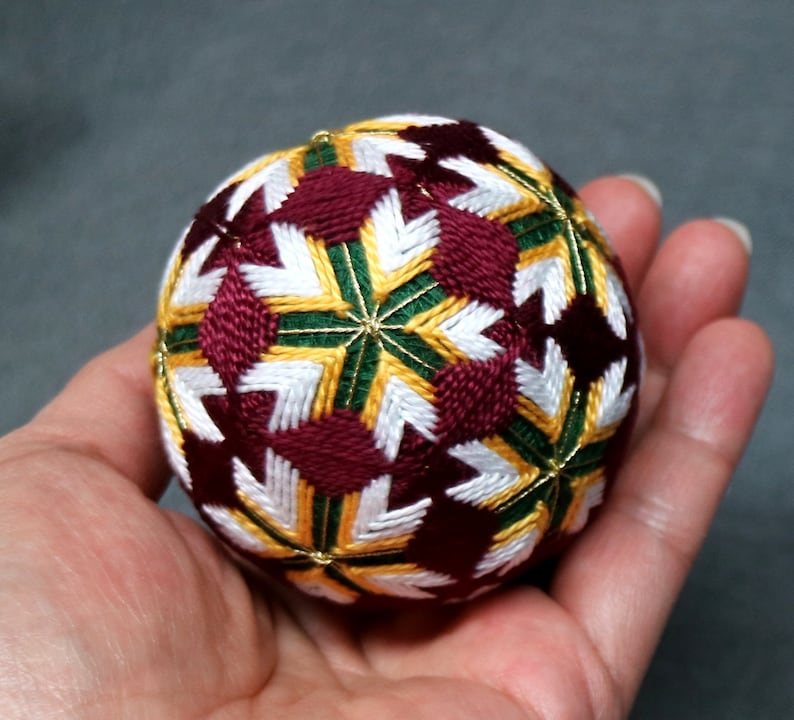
[117,118]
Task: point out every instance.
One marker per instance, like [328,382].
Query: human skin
[114,607]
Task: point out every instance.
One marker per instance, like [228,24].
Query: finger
[107,411]
[630,213]
[624,574]
[698,276]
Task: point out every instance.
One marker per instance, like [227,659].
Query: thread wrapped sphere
[397,363]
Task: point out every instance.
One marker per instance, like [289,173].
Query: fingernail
[646,184]
[740,230]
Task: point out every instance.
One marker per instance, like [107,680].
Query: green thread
[368,329]
[319,155]
[181,339]
[535,230]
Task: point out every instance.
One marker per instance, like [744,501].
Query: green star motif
[369,328]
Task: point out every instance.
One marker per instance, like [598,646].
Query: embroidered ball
[395,363]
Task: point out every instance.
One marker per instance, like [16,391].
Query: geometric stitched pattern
[398,363]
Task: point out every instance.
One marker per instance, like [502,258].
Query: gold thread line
[355,337]
[409,300]
[359,294]
[408,353]
[315,331]
[551,200]
[357,367]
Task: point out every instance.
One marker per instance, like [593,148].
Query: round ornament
[397,363]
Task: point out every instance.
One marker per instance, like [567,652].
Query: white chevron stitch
[545,388]
[399,242]
[295,384]
[278,495]
[495,473]
[593,496]
[614,404]
[193,288]
[274,182]
[416,119]
[500,142]
[491,191]
[175,455]
[232,530]
[618,305]
[549,276]
[400,405]
[465,328]
[370,151]
[510,555]
[409,584]
[297,278]
[320,589]
[190,383]
[375,521]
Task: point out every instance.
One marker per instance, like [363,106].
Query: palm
[114,607]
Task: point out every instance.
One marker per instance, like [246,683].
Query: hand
[112,607]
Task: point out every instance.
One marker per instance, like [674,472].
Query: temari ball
[397,363]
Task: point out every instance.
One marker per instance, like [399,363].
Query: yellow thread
[426,326]
[389,366]
[183,315]
[295,155]
[317,575]
[173,422]
[305,500]
[329,383]
[415,358]
[344,150]
[350,507]
[384,284]
[330,298]
[527,473]
[375,127]
[538,519]
[551,426]
[591,433]
[274,548]
[598,276]
[591,411]
[332,361]
[408,301]
[543,177]
[366,576]
[545,193]
[557,247]
[579,487]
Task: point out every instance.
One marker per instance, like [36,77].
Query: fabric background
[117,119]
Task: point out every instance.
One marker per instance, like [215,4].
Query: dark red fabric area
[210,468]
[332,203]
[526,329]
[476,258]
[209,220]
[236,330]
[437,182]
[337,454]
[475,399]
[243,420]
[452,539]
[587,341]
[451,140]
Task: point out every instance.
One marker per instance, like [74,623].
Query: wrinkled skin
[112,607]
